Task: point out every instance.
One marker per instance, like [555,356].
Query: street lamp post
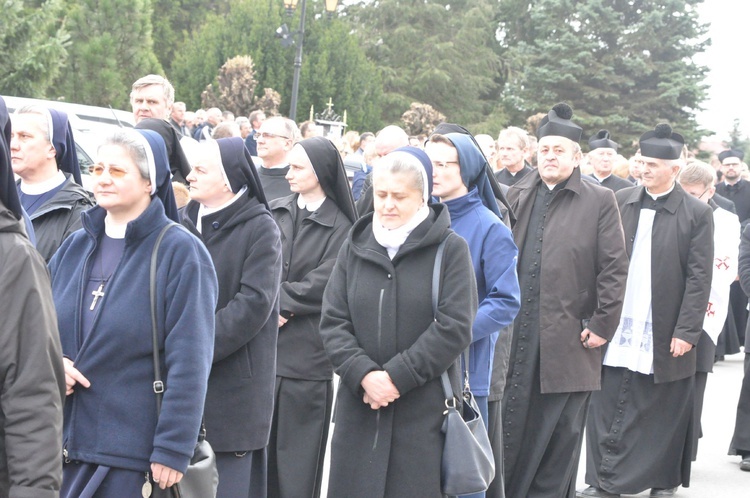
[291,5]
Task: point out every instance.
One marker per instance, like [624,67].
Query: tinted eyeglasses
[114,172]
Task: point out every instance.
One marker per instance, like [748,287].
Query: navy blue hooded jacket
[114,421]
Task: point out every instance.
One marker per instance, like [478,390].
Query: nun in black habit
[229,213]
[314,222]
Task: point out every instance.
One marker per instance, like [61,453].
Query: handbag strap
[158,384]
[444,379]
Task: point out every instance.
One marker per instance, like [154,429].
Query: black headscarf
[445,128]
[178,162]
[239,168]
[329,168]
[163,180]
[65,147]
[8,192]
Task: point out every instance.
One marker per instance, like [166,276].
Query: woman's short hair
[405,164]
[132,142]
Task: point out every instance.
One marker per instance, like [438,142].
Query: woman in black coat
[386,344]
[314,222]
[229,213]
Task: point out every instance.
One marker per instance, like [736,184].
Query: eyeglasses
[704,193]
[443,164]
[266,136]
[114,172]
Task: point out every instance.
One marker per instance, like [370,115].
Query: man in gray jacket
[32,382]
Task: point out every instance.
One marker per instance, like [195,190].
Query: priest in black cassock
[572,270]
[601,157]
[639,433]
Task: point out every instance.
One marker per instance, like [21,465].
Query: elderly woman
[314,222]
[229,213]
[114,442]
[385,342]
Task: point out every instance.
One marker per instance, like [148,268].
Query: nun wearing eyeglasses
[229,213]
[43,155]
[114,443]
[313,222]
[387,344]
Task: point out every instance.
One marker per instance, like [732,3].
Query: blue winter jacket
[114,421]
[493,255]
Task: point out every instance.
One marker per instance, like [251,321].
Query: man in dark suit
[603,152]
[732,186]
[638,432]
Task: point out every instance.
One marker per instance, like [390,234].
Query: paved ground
[715,474]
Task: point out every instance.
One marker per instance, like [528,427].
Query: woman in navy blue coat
[114,444]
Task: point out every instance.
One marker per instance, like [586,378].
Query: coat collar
[149,221]
[325,215]
[532,181]
[430,232]
[674,199]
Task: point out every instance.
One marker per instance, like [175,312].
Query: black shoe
[745,464]
[594,492]
[663,491]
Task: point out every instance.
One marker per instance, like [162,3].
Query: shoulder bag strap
[444,380]
[158,384]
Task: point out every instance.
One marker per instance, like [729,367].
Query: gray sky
[727,58]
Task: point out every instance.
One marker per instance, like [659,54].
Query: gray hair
[516,134]
[406,164]
[132,142]
[155,79]
[697,173]
[290,127]
[44,113]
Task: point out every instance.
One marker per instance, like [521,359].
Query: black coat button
[215,224]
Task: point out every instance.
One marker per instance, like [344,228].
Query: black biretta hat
[662,143]
[602,141]
[557,122]
[731,153]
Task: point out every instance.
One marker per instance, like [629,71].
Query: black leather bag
[468,465]
[201,478]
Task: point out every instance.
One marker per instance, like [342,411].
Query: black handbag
[468,465]
[201,478]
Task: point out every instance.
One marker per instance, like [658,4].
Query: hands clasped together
[379,389]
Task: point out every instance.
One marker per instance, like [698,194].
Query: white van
[90,124]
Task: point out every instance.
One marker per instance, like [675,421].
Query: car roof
[82,117]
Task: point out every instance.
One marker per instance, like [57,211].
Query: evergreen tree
[624,65]
[33,43]
[439,52]
[333,65]
[175,21]
[111,48]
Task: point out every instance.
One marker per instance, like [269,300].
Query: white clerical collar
[310,206]
[656,196]
[599,179]
[551,187]
[44,186]
[205,210]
